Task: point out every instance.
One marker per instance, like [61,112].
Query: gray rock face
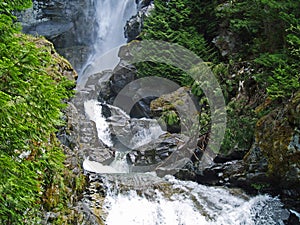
[82,132]
[69,24]
[156,151]
[134,26]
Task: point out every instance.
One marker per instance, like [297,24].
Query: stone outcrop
[73,179]
[134,25]
[82,131]
[61,22]
[157,151]
[60,64]
[175,109]
[121,76]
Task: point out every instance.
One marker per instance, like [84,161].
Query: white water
[138,132]
[111,17]
[93,110]
[174,202]
[144,136]
[133,133]
[188,203]
[97,167]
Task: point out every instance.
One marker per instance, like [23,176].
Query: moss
[35,83]
[274,133]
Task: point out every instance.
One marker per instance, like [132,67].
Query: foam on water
[93,109]
[188,203]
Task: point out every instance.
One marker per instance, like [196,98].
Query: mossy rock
[275,134]
[173,109]
[294,110]
[60,66]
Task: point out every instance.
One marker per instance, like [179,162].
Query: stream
[144,198]
[119,195]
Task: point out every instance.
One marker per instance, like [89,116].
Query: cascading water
[93,110]
[111,17]
[136,199]
[137,132]
[146,199]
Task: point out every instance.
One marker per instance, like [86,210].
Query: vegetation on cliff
[253,48]
[33,90]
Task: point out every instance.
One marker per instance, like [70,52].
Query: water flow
[93,110]
[151,201]
[130,133]
[188,203]
[111,18]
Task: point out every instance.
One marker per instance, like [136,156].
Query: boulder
[175,109]
[122,75]
[164,155]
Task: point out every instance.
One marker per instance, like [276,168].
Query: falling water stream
[136,199]
[111,17]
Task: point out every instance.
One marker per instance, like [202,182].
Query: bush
[32,95]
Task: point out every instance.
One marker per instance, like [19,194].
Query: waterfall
[111,17]
[144,198]
[138,132]
[134,199]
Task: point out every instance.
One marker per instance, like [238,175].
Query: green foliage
[283,82]
[19,189]
[258,23]
[7,6]
[171,21]
[260,186]
[32,96]
[239,132]
[267,34]
[282,68]
[7,19]
[170,117]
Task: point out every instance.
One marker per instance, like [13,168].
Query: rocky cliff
[70,25]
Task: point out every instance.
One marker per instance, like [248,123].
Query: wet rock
[165,155]
[155,151]
[294,218]
[134,25]
[142,108]
[177,109]
[143,3]
[234,155]
[122,75]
